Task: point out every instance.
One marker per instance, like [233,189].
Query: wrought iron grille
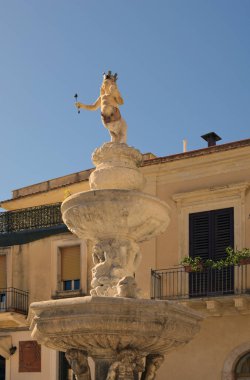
[31,218]
[175,283]
[12,299]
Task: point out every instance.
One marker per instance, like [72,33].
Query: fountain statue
[109,101]
[126,336]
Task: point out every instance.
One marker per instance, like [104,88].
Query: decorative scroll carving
[78,361]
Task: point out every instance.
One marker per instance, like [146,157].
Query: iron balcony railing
[15,300]
[31,218]
[175,283]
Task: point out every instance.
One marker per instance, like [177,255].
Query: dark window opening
[71,285]
[210,233]
[2,368]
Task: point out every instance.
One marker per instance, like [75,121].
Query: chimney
[184,145]
[211,138]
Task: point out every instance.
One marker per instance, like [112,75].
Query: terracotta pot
[189,269]
[244,261]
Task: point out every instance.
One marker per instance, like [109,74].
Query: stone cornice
[200,166]
[220,306]
[212,193]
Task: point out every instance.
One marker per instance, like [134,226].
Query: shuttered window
[210,233]
[70,267]
[3,277]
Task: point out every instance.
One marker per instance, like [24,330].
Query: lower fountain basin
[111,213]
[104,325]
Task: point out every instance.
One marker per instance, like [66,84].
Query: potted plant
[239,257]
[219,264]
[192,264]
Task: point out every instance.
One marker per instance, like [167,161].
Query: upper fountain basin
[112,213]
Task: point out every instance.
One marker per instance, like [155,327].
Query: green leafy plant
[234,257]
[194,263]
[237,256]
[219,264]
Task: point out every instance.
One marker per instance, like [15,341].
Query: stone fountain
[126,336]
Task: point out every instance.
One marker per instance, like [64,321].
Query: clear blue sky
[183,65]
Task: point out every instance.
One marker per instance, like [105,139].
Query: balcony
[211,290]
[13,300]
[26,225]
[13,308]
[30,218]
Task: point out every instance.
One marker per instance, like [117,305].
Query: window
[70,267]
[242,369]
[210,233]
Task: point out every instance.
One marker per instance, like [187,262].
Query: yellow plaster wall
[204,357]
[32,269]
[49,360]
[218,171]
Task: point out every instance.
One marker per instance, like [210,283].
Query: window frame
[208,199]
[56,282]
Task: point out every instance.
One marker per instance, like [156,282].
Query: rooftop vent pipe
[211,138]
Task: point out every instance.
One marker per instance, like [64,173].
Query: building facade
[208,193]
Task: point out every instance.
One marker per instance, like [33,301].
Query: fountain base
[107,327]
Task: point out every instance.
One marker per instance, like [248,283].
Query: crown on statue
[109,75]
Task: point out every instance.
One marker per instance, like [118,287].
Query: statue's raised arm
[109,101]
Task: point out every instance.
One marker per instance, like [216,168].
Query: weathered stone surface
[103,326]
[114,260]
[78,361]
[115,220]
[116,168]
[153,363]
[117,214]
